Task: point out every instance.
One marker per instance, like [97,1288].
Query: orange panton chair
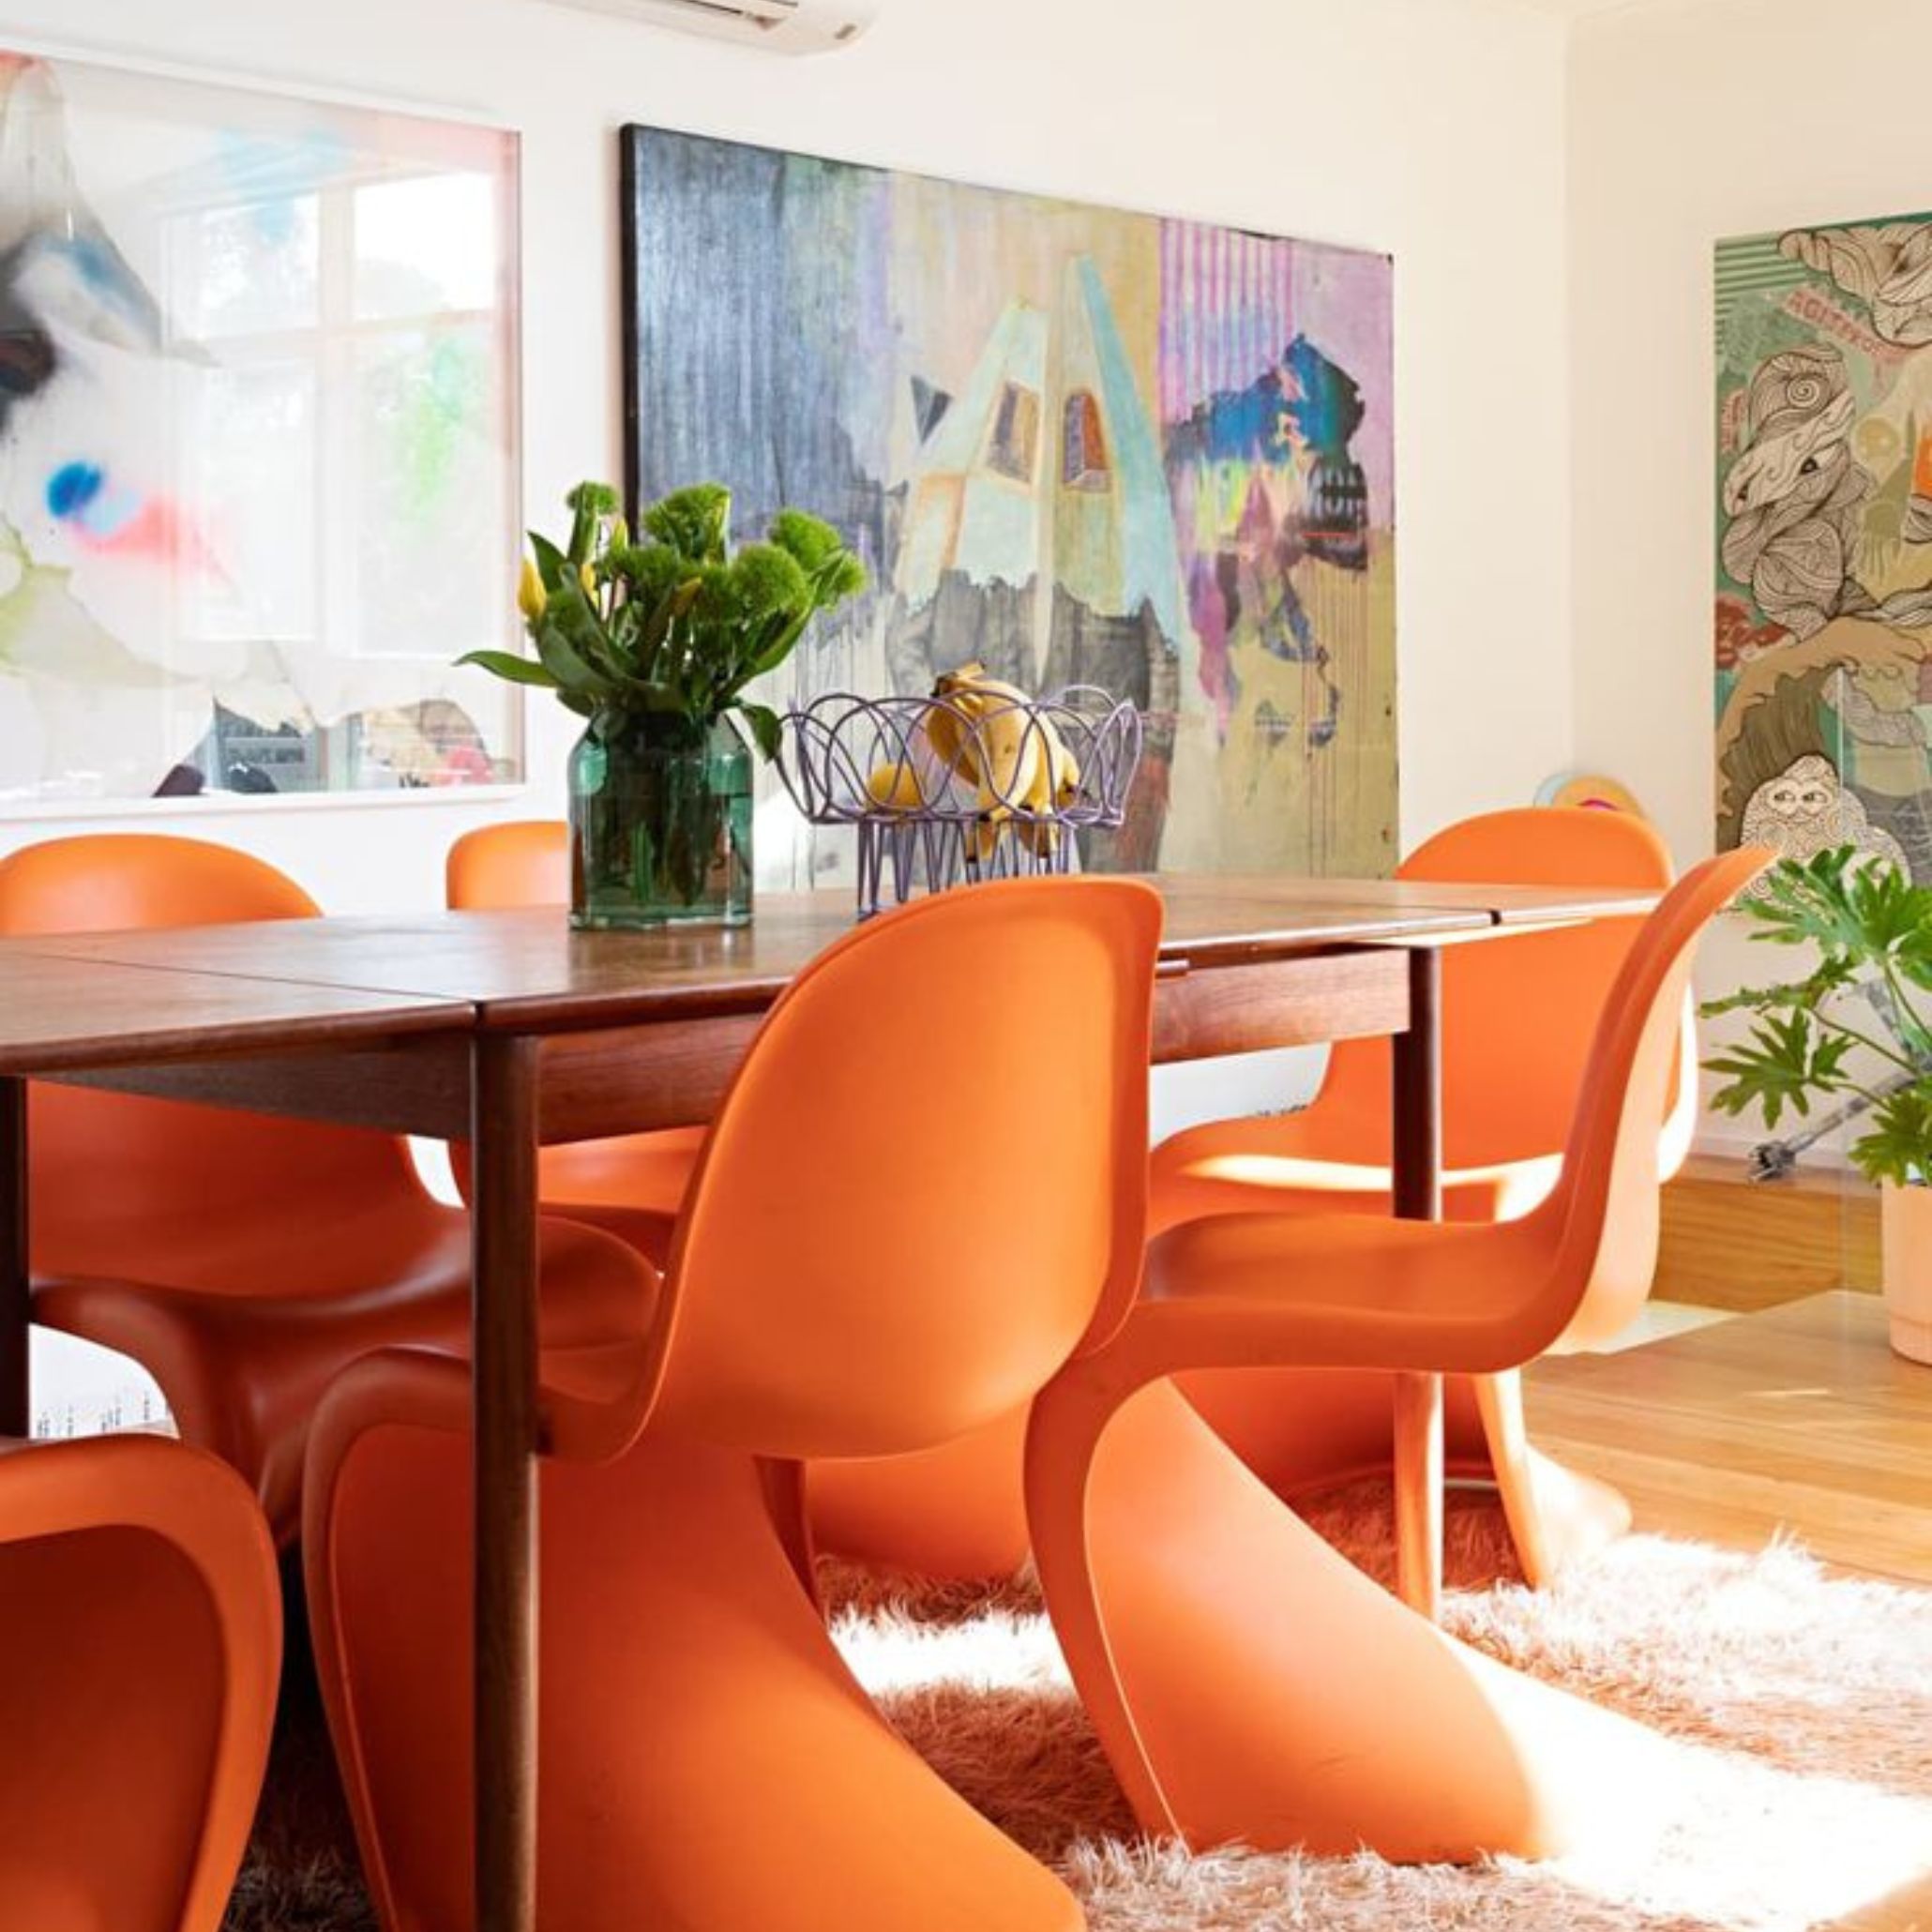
[1518,1015]
[837,1286]
[140,1643]
[1246,1680]
[957,1510]
[634,1183]
[243,1260]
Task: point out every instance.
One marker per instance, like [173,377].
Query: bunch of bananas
[987,733]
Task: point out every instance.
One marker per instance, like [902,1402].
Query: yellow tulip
[588,578]
[530,591]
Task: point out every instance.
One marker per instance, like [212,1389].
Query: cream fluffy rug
[1794,1711]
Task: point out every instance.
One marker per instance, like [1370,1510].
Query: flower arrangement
[657,638]
[1856,1029]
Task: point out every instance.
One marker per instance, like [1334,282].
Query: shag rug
[1793,1709]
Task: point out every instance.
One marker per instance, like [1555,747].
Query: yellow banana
[950,741]
[894,787]
[1029,765]
[1011,745]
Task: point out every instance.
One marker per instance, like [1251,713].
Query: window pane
[428,490]
[425,244]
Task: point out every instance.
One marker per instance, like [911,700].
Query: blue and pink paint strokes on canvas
[1077,444]
[250,378]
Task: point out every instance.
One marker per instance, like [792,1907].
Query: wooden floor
[1733,1242]
[1798,1417]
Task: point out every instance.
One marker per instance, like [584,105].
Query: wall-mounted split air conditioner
[784,27]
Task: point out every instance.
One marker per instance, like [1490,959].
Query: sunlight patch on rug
[1792,1756]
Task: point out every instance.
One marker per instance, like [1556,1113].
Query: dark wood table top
[1497,905]
[100,996]
[529,970]
[63,1016]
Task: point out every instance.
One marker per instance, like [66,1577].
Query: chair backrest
[113,881]
[140,1644]
[525,862]
[1519,1016]
[107,1169]
[928,1181]
[1603,1214]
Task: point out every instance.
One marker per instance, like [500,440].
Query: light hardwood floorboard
[1797,1418]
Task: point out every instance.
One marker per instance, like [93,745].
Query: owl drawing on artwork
[1808,810]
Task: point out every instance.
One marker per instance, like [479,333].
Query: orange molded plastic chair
[140,1644]
[956,1509]
[243,1260]
[1518,1015]
[837,1286]
[1248,1682]
[634,1183]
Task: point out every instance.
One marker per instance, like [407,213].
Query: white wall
[1431,128]
[1690,122]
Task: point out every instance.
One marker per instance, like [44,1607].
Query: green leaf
[779,650]
[1783,1060]
[639,695]
[570,638]
[508,665]
[675,603]
[767,729]
[1898,1145]
[553,566]
[589,504]
[1843,902]
[1807,995]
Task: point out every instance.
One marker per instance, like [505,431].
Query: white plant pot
[1905,1227]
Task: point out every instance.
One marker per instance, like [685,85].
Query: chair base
[1304,1431]
[1251,1685]
[707,1761]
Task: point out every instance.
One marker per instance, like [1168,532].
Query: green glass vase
[661,828]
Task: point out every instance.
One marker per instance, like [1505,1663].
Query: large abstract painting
[1077,444]
[1824,539]
[258,480]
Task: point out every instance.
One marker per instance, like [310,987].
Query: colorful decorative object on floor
[258,441]
[1788,1704]
[977,781]
[1077,446]
[653,644]
[1824,539]
[1591,791]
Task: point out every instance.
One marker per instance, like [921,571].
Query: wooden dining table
[509,1030]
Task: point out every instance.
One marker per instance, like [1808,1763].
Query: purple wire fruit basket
[976,783]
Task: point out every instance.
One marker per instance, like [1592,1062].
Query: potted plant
[653,643]
[1856,1029]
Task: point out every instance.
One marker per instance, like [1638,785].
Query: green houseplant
[653,641]
[1855,1030]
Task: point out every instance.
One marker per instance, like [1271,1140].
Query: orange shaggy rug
[1793,1709]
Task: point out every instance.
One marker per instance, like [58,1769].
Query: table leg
[503,1142]
[1418,1190]
[16,1418]
[1418,1092]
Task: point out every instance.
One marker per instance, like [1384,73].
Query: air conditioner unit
[785,27]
